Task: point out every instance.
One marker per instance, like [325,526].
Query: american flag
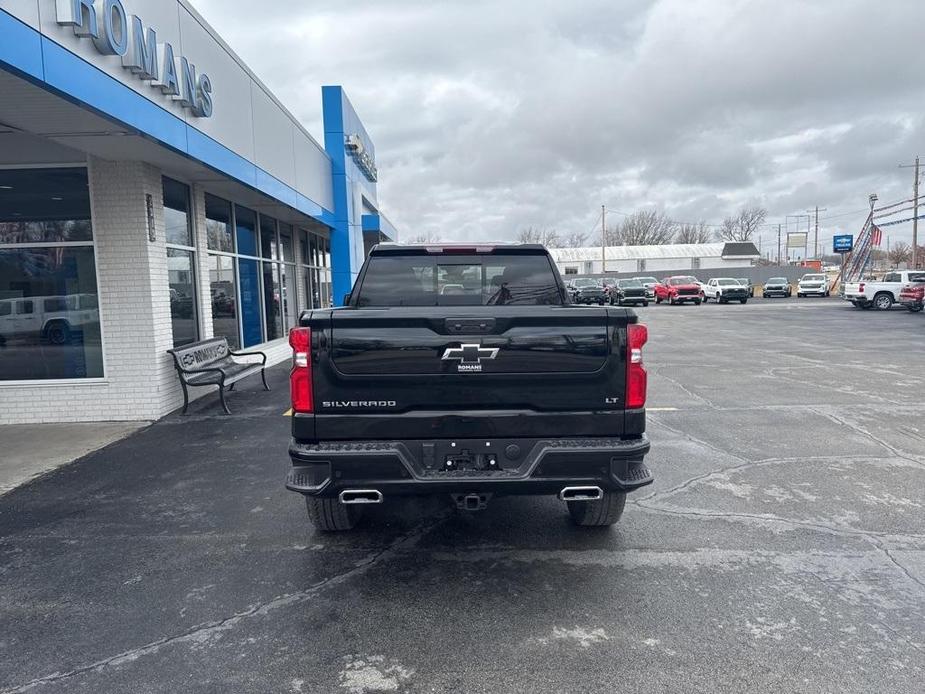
[876,235]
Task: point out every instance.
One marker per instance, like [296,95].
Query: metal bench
[212,363]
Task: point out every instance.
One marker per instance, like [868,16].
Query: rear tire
[696,302]
[329,515]
[602,512]
[743,301]
[658,300]
[58,333]
[646,303]
[883,301]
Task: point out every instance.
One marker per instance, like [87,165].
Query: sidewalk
[31,450]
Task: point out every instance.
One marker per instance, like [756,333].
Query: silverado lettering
[359,403]
[501,381]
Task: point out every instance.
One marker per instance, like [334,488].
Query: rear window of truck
[459,280]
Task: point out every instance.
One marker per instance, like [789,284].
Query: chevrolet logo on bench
[470,356]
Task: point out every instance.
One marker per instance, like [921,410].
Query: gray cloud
[489,117]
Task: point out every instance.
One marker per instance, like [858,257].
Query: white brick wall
[140,380]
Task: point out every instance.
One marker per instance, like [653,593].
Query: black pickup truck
[465,371]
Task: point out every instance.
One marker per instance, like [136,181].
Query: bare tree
[899,253]
[693,233]
[574,239]
[743,225]
[645,228]
[546,237]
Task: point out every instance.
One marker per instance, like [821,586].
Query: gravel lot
[781,549]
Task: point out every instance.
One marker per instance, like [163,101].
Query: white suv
[813,284]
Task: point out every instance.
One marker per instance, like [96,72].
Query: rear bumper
[419,467]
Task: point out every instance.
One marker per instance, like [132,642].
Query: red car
[679,289]
[912,296]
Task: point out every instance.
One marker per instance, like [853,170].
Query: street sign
[843,243]
[797,239]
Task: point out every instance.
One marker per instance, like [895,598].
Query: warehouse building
[662,259]
[153,192]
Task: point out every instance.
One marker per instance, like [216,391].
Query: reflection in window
[180,268]
[176,213]
[222,287]
[181,263]
[219,236]
[49,314]
[245,221]
[288,294]
[267,237]
[271,301]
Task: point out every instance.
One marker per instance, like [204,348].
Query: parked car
[587,291]
[678,290]
[745,282]
[912,295]
[630,291]
[725,289]
[57,318]
[813,284]
[649,283]
[881,295]
[777,286]
[507,390]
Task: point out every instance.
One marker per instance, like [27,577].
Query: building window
[49,305]
[252,285]
[223,283]
[181,262]
[571,270]
[287,277]
[245,225]
[315,264]
[695,263]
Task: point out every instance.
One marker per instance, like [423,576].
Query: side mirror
[347,299]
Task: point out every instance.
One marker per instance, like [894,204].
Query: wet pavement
[782,547]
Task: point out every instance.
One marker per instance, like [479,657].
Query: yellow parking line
[288,413]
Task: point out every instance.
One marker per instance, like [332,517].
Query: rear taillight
[861,288]
[300,378]
[636,377]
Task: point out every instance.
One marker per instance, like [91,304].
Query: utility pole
[603,240]
[816,237]
[915,211]
[778,245]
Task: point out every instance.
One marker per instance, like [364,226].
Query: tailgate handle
[470,326]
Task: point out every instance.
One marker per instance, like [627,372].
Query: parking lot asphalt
[781,549]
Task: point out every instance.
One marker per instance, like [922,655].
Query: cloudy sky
[490,116]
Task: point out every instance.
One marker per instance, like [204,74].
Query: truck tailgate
[479,363]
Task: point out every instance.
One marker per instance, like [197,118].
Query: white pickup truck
[881,295]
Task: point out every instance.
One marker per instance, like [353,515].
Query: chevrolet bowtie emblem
[470,356]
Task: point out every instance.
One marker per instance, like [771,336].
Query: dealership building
[154,193]
[677,258]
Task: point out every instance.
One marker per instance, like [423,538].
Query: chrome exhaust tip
[360,496]
[581,494]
